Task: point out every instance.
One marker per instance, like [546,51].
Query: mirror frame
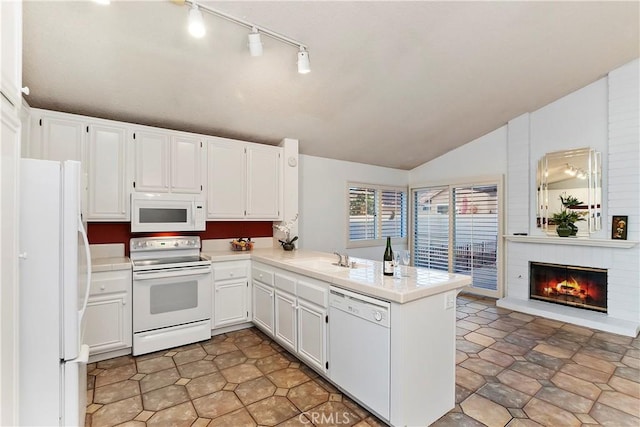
[593,185]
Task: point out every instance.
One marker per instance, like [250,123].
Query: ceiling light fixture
[255,41]
[303,61]
[196,23]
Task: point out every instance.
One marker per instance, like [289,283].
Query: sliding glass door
[457,228]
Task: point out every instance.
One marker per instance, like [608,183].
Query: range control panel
[164,243]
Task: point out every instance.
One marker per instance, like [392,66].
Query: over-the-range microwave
[152,212]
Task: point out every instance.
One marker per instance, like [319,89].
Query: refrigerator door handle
[88,255]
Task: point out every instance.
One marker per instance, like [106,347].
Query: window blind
[362,213]
[475,234]
[431,228]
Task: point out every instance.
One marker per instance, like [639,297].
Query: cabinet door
[62,139]
[263,307]
[11,61]
[312,333]
[185,164]
[285,319]
[230,303]
[152,161]
[263,182]
[108,175]
[226,190]
[108,327]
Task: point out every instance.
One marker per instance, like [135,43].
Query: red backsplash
[120,232]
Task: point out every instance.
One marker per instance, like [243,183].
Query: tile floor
[512,370]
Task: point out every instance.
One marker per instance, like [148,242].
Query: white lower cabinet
[312,334]
[109,313]
[292,309]
[285,315]
[230,293]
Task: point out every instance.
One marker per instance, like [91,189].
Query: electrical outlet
[449,300]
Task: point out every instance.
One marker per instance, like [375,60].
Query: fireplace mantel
[574,241]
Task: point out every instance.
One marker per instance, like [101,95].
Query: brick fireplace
[574,286]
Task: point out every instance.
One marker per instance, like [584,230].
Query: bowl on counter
[241,245]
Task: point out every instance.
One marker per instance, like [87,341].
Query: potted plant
[285,227]
[565,219]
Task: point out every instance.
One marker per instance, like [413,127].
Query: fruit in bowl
[241,244]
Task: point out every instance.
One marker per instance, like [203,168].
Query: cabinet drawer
[229,272]
[311,292]
[262,275]
[105,282]
[286,283]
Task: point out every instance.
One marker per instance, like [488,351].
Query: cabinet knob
[22,255]
[102,287]
[124,302]
[230,274]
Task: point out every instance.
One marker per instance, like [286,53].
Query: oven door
[170,297]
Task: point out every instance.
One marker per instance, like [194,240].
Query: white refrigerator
[55,274]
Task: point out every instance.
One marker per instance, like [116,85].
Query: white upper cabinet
[226,179]
[11,62]
[152,161]
[263,181]
[243,180]
[109,180]
[167,162]
[62,138]
[186,158]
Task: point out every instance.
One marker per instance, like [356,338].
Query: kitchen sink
[318,264]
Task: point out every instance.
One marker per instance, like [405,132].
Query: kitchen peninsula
[405,326]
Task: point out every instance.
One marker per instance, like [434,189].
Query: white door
[226,179]
[62,139]
[185,164]
[108,175]
[285,319]
[152,161]
[263,182]
[263,306]
[312,333]
[230,303]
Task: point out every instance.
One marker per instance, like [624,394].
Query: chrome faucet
[343,260]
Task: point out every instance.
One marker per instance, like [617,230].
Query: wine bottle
[387,261]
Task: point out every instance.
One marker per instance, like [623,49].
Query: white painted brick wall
[518,179]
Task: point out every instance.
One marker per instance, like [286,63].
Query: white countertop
[110,264]
[366,278]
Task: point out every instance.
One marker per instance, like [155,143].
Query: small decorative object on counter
[241,244]
[387,268]
[285,227]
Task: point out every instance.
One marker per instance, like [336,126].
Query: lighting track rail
[255,45]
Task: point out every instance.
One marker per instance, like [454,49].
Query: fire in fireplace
[582,287]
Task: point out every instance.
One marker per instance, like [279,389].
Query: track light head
[304,66]
[255,43]
[196,23]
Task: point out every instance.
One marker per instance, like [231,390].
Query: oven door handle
[161,274]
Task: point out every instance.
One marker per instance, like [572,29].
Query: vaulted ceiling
[393,83]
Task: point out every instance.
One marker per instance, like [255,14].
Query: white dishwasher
[359,348]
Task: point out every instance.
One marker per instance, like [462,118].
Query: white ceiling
[392,83]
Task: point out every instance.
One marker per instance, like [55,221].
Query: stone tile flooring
[512,370]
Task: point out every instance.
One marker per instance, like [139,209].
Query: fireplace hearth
[575,286]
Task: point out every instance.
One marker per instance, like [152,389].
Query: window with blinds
[456,229]
[431,228]
[376,212]
[475,236]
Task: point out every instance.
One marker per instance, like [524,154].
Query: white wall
[485,156]
[323,201]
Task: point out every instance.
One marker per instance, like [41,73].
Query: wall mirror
[573,176]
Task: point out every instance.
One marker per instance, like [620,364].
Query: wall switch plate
[449,300]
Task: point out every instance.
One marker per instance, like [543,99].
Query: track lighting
[197,29]
[255,43]
[303,61]
[196,23]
